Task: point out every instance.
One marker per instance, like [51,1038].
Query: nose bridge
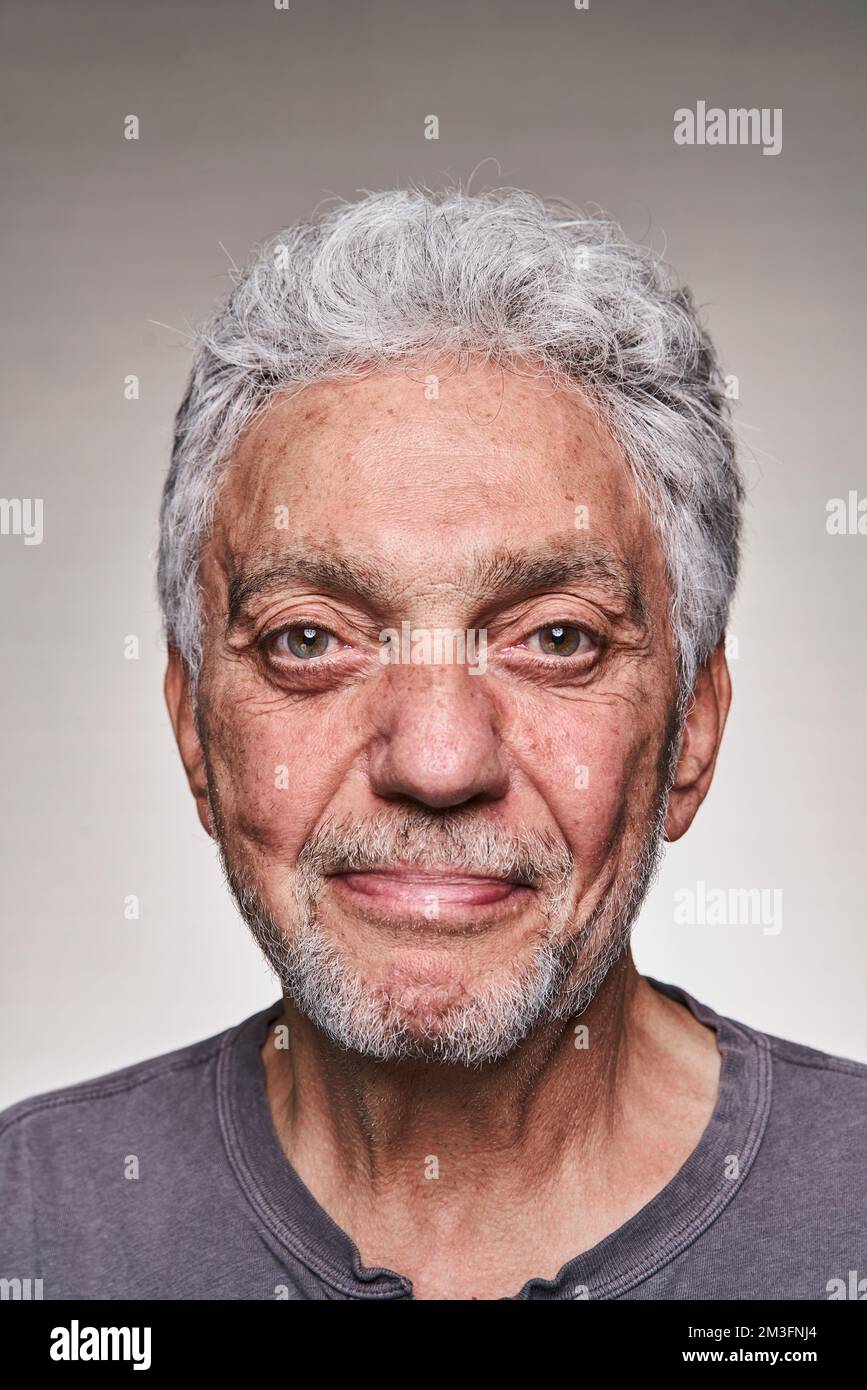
[436,737]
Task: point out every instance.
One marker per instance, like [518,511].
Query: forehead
[426,470]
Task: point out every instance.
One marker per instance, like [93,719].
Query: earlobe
[700,742]
[180,706]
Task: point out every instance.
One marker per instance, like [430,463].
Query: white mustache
[450,841]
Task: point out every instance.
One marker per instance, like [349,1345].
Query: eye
[560,639]
[303,641]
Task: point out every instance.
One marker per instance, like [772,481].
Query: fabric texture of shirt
[772,1202]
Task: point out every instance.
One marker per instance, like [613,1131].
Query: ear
[180,706]
[700,741]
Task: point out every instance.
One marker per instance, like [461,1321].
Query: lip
[429,894]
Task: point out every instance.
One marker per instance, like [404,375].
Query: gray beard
[565,969]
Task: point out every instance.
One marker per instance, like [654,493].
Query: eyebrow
[355,575]
[508,573]
[501,575]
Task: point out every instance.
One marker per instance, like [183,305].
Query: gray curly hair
[394,276]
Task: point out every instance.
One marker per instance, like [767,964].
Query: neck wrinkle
[347,1122]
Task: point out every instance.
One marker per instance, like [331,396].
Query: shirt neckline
[655,1235]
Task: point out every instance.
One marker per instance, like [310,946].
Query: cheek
[274,769]
[592,764]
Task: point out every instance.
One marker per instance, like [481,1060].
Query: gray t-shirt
[166,1180]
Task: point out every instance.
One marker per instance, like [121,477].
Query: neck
[368,1137]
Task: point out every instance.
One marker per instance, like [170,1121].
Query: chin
[425,991]
[425,1006]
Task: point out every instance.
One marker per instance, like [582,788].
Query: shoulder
[834,1088]
[136,1087]
[60,1139]
[816,1097]
[815,1135]
[93,1176]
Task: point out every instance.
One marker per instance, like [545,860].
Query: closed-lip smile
[428,891]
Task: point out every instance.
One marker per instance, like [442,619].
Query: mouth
[428,893]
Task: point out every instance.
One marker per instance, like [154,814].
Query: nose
[437,742]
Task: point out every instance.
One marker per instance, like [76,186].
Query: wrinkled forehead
[434,480]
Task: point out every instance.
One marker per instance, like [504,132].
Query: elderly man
[448,545]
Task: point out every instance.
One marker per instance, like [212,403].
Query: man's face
[433,850]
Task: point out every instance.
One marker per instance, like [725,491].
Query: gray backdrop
[249,117]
